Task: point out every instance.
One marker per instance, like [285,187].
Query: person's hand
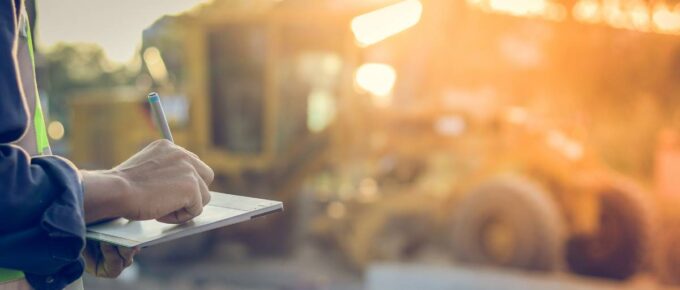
[164,182]
[106,260]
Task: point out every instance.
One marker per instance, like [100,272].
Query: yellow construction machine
[517,135]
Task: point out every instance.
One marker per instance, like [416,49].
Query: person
[46,202]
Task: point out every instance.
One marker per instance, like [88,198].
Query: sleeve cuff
[64,224]
[64,219]
[60,280]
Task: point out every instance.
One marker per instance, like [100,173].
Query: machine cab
[264,83]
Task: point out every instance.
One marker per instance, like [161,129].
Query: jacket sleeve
[12,109]
[42,225]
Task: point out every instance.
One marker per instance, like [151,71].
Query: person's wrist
[123,191]
[106,194]
[123,188]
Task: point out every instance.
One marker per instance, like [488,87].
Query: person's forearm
[103,194]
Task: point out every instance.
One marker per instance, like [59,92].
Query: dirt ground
[313,270]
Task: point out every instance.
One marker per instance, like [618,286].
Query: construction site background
[536,137]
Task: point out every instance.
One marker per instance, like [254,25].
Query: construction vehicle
[250,88]
[489,165]
[466,132]
[529,169]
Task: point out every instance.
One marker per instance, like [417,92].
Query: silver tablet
[223,210]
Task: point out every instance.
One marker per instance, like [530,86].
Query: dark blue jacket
[42,225]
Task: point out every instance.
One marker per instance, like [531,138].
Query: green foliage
[67,70]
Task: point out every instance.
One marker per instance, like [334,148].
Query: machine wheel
[621,246]
[508,221]
[668,247]
[397,230]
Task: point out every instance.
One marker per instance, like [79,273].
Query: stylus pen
[159,115]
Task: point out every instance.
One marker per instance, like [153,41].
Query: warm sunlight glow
[154,62]
[587,11]
[639,16]
[518,7]
[632,14]
[666,20]
[377,79]
[529,8]
[568,147]
[55,130]
[380,24]
[614,15]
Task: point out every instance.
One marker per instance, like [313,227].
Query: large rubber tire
[622,246]
[667,254]
[528,213]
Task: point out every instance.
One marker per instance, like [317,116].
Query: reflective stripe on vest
[42,143]
[10,275]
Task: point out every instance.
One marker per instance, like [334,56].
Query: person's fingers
[192,154]
[128,255]
[113,263]
[171,218]
[204,171]
[161,143]
[195,208]
[175,151]
[188,212]
[92,256]
[177,217]
[205,192]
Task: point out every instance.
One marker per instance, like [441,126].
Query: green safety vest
[41,141]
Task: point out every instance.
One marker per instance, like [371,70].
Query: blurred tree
[67,70]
